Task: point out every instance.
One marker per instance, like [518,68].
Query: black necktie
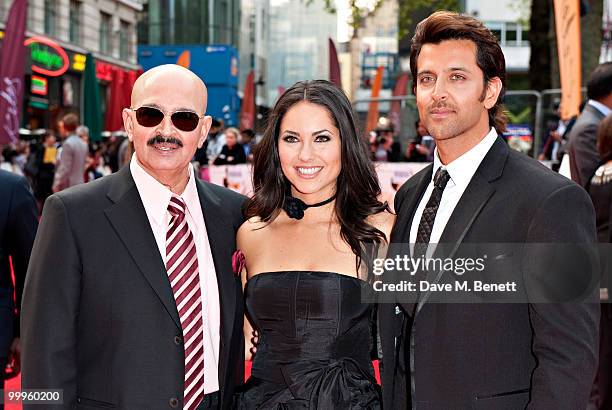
[425,226]
[431,209]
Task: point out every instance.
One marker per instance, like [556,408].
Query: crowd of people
[148,288]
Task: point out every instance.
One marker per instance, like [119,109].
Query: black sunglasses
[151,117]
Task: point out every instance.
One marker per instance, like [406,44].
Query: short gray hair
[82,129]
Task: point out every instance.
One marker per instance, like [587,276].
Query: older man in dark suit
[18,223]
[130,300]
[439,355]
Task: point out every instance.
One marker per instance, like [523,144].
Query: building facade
[298,47]
[376,44]
[510,25]
[255,45]
[60,34]
[204,22]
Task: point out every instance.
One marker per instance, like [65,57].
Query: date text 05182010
[33,396]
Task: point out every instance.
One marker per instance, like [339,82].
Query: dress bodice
[315,339]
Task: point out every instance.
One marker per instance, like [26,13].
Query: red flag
[398,91]
[128,84]
[184,59]
[372,118]
[12,63]
[334,65]
[114,119]
[247,111]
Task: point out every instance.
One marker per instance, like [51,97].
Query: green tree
[407,10]
[544,60]
[592,36]
[540,43]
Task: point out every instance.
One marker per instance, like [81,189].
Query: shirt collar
[602,108]
[462,169]
[156,196]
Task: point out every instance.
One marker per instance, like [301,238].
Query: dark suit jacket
[495,356]
[584,158]
[18,223]
[99,318]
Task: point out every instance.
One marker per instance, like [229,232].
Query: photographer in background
[421,148]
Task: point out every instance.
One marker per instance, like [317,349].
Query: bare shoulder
[383,221]
[250,233]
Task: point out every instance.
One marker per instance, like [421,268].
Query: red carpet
[13,384]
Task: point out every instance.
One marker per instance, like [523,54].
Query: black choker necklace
[295,207]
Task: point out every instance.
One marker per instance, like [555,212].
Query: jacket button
[177,340]
[174,402]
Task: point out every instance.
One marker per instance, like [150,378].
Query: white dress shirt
[155,198]
[602,108]
[461,171]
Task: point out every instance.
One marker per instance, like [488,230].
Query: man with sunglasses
[130,300]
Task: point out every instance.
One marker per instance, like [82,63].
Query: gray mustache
[158,139]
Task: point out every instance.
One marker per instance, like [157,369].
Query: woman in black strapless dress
[314,225]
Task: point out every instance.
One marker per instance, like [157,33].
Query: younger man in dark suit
[478,191]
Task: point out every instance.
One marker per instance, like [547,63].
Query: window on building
[105,33]
[125,41]
[513,32]
[510,34]
[75,21]
[497,33]
[525,36]
[224,26]
[50,17]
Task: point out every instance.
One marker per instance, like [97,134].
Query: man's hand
[422,149]
[14,360]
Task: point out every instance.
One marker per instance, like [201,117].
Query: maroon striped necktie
[182,268]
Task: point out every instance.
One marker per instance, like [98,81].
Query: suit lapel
[220,235]
[129,219]
[414,189]
[471,203]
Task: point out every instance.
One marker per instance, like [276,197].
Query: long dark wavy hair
[357,187]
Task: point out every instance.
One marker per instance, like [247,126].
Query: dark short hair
[70,122]
[599,84]
[446,25]
[357,187]
[248,132]
[604,139]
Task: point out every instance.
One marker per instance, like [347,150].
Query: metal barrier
[528,108]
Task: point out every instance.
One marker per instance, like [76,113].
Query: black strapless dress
[315,343]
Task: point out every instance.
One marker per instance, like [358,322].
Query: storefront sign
[39,85]
[48,58]
[104,71]
[78,62]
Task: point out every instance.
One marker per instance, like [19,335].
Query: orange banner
[373,109]
[567,24]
